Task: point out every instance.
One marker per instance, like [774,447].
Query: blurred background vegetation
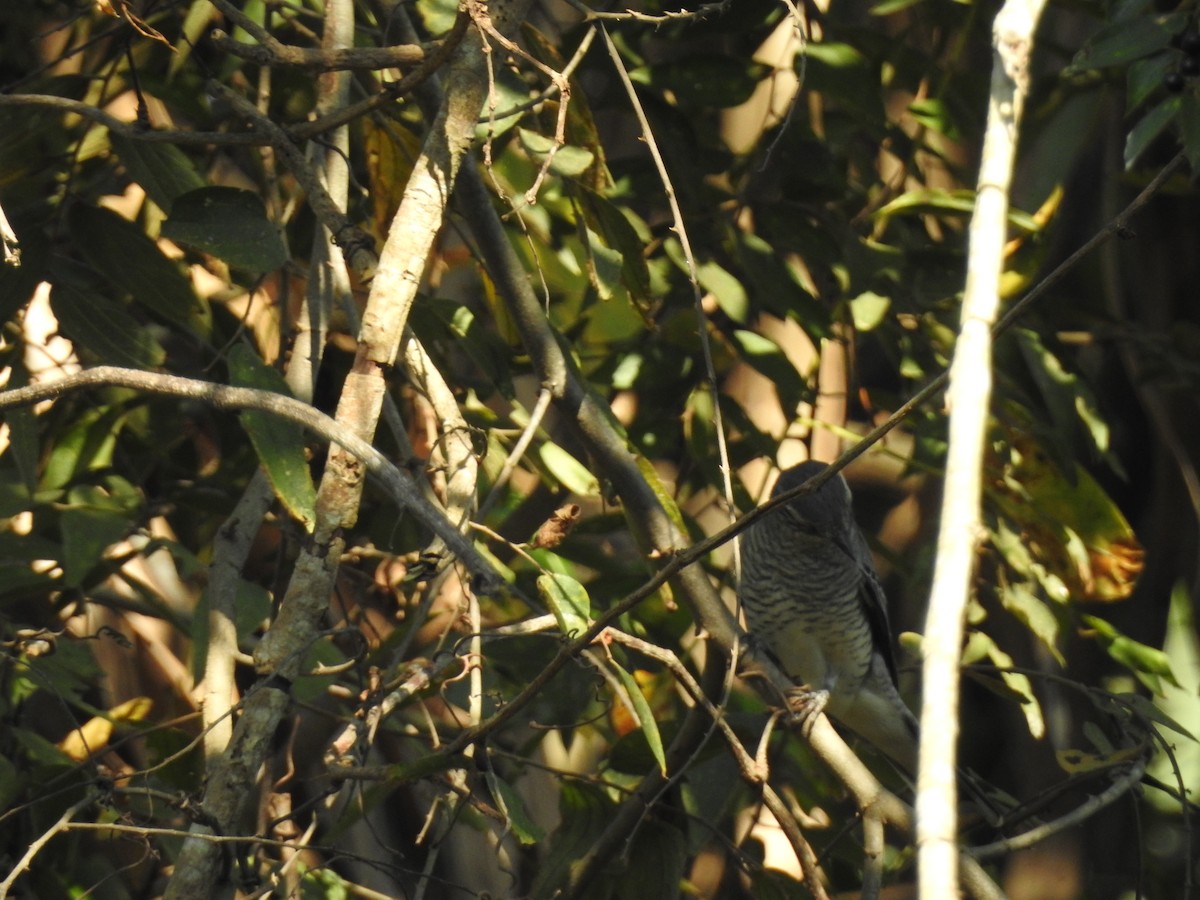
[823,160]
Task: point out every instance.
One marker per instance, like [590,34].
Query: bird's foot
[805,704]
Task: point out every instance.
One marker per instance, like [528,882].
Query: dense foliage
[681,243]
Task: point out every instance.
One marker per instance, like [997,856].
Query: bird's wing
[873,600]
[874,603]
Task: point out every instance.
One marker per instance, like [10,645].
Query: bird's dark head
[826,510]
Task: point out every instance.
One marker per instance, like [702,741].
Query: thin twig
[36,846]
[751,767]
[680,229]
[518,451]
[1079,814]
[629,15]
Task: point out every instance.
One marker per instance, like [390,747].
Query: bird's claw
[805,704]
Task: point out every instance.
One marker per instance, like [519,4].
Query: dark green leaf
[606,219]
[842,71]
[230,224]
[92,521]
[278,442]
[657,863]
[605,265]
[1146,77]
[1120,43]
[104,329]
[645,715]
[1151,126]
[584,813]
[163,170]
[707,80]
[133,263]
[510,804]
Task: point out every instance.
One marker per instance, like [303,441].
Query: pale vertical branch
[327,279]
[969,397]
[401,266]
[12,246]
[453,453]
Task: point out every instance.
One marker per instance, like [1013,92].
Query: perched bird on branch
[813,600]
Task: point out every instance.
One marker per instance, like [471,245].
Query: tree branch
[398,484]
[272,52]
[969,399]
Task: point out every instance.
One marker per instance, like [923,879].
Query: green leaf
[841,71]
[1070,401]
[1036,615]
[230,224]
[1149,127]
[163,170]
[132,262]
[869,310]
[436,320]
[1145,77]
[727,290]
[568,161]
[569,472]
[512,807]
[104,329]
[87,445]
[768,357]
[12,783]
[936,115]
[91,522]
[658,862]
[607,219]
[1120,43]
[278,442]
[888,7]
[568,600]
[1147,663]
[23,434]
[584,812]
[605,265]
[708,80]
[645,715]
[980,646]
[942,202]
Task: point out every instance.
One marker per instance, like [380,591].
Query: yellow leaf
[93,735]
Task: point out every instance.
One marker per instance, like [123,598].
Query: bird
[813,600]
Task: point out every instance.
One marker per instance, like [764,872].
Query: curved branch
[398,484]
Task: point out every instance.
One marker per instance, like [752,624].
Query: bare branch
[272,52]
